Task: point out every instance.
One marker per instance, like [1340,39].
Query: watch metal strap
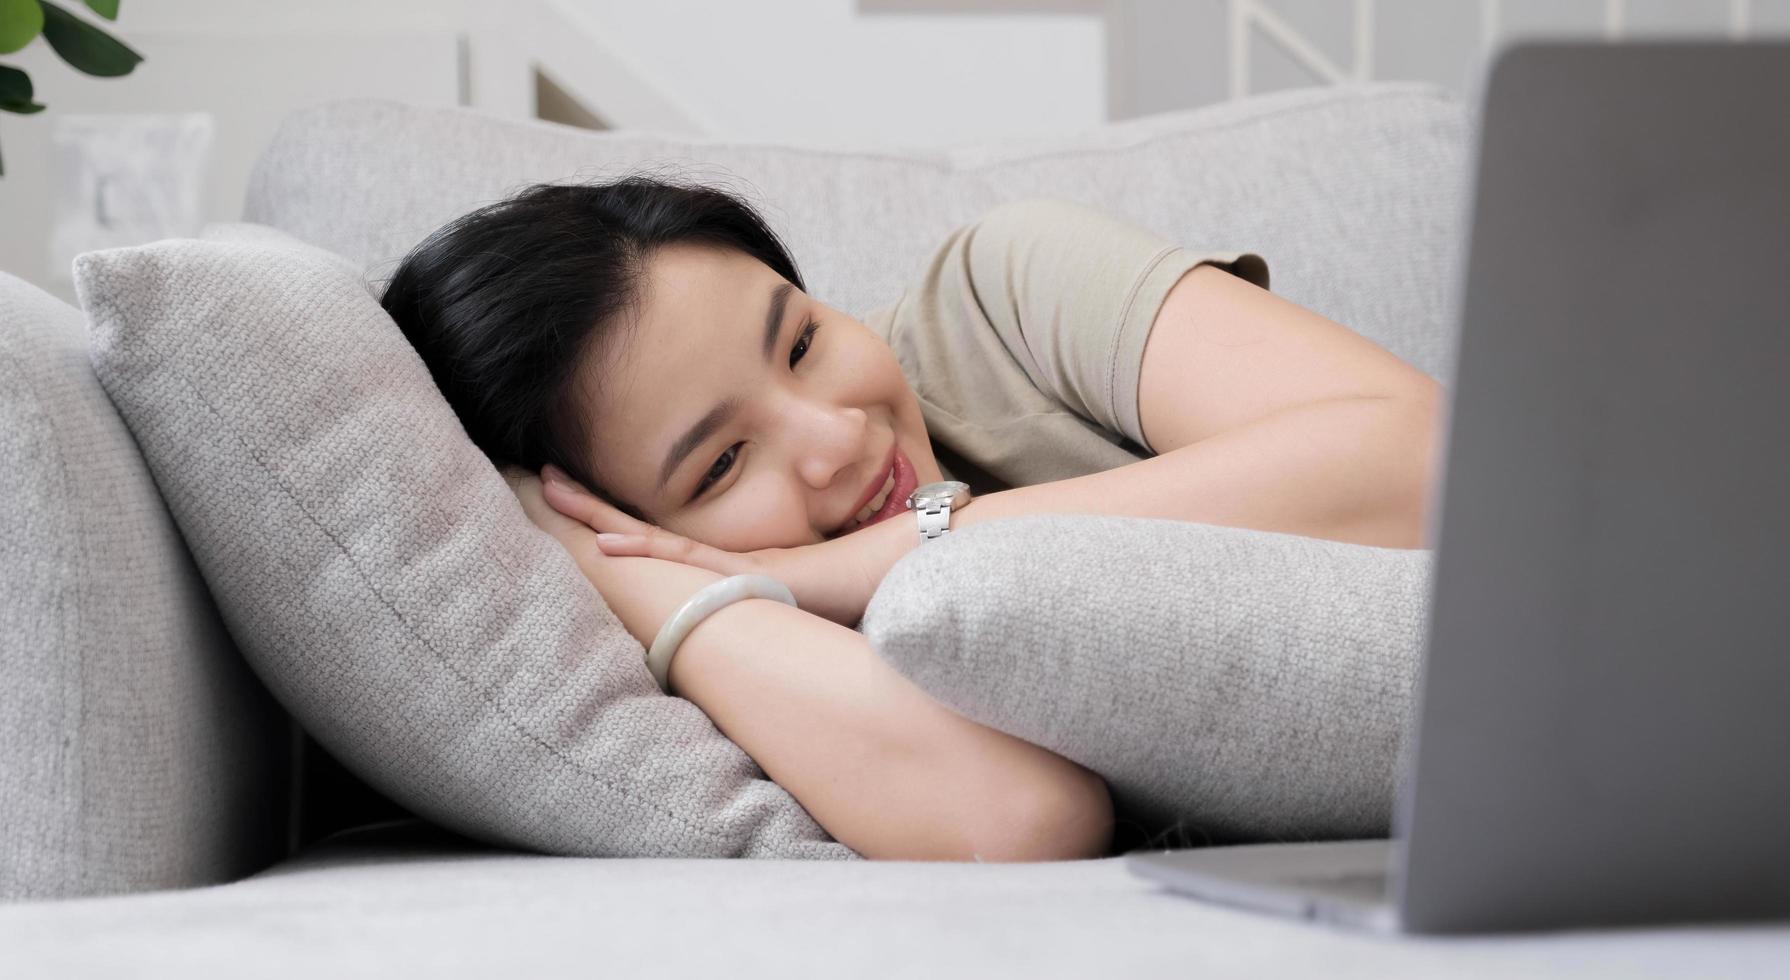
[935,519]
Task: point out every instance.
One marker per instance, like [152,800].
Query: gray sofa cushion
[1352,193]
[384,582]
[1229,684]
[368,910]
[136,749]
[371,910]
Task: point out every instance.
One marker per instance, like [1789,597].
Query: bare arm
[1351,469]
[1265,415]
[878,763]
[886,769]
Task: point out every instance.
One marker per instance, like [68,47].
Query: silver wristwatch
[932,504]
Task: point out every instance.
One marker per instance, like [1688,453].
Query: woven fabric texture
[382,579]
[370,913]
[1353,193]
[136,749]
[1229,684]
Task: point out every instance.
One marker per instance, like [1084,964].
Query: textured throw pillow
[382,580]
[1230,684]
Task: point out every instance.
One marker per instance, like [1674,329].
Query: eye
[800,350]
[719,470]
[725,462]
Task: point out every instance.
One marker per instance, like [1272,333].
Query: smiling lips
[888,500]
[876,502]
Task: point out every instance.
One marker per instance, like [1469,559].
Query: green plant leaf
[84,46]
[15,86]
[15,91]
[20,20]
[105,8]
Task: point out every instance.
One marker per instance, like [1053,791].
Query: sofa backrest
[137,751]
[1352,193]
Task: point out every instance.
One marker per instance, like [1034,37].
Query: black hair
[503,303]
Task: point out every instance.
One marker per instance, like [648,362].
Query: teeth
[875,504]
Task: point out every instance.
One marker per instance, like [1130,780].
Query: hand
[834,579]
[527,488]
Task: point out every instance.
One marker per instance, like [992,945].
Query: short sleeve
[1071,293]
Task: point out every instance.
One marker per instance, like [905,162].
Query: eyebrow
[718,416]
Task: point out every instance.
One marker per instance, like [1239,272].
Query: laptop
[1602,733]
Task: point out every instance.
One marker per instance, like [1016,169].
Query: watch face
[943,492]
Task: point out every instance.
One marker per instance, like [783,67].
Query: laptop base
[1345,883]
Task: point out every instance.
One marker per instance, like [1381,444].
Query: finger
[662,544]
[622,545]
[565,495]
[659,543]
[591,511]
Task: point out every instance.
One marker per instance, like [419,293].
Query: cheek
[759,512]
[893,389]
[877,374]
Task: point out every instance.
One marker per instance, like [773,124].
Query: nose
[832,443]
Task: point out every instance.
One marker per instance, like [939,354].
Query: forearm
[878,763]
[1353,469]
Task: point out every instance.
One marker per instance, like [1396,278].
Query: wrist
[879,547]
[894,538]
[968,513]
[644,592]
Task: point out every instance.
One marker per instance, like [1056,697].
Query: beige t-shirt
[1024,337]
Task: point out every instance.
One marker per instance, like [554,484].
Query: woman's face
[811,427]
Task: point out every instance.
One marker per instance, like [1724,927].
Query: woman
[650,348]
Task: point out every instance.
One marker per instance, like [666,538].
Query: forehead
[691,338]
[691,300]
[687,285]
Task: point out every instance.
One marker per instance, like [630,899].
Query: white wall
[841,72]
[798,70]
[1185,53]
[817,70]
[245,63]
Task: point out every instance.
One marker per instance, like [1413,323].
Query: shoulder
[1033,243]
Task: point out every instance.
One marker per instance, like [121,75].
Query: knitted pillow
[381,578]
[1229,684]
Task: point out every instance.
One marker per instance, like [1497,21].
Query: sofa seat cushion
[444,912]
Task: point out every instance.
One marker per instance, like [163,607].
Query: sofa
[163,815]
